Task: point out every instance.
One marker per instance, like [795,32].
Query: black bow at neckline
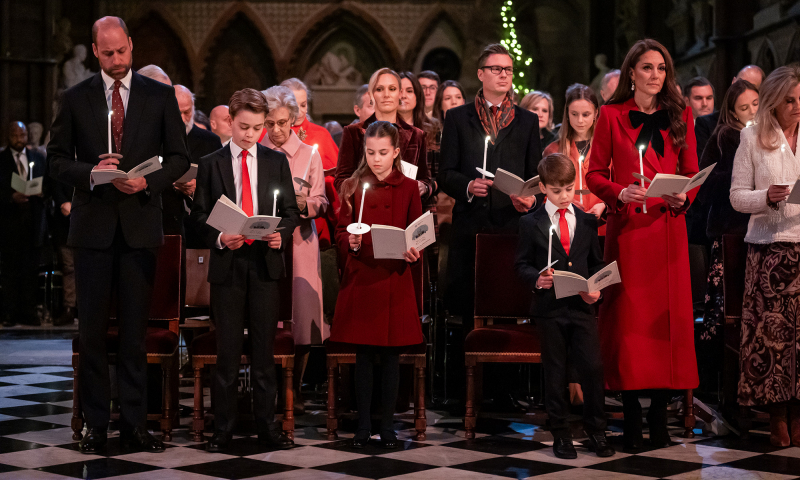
[651,126]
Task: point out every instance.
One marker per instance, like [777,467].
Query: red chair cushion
[157,341]
[337,348]
[206,344]
[503,339]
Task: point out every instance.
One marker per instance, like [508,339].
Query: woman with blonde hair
[766,165]
[541,103]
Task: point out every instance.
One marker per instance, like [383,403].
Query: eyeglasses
[428,87]
[496,69]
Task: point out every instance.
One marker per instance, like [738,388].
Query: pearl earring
[632,86]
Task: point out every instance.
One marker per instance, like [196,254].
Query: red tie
[247,194]
[563,229]
[118,117]
[493,108]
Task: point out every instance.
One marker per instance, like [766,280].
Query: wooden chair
[499,296]
[204,350]
[416,355]
[161,340]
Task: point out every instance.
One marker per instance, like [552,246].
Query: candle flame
[30,164]
[109,113]
[580,159]
[641,147]
[366,185]
[276,192]
[316,146]
[749,122]
[552,228]
[488,138]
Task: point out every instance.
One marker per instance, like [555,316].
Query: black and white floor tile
[36,444]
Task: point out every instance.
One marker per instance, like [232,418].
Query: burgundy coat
[412,149]
[646,325]
[377,304]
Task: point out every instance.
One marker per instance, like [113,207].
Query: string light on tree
[521,62]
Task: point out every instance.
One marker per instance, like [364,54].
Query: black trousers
[130,272]
[250,294]
[19,272]
[579,337]
[390,382]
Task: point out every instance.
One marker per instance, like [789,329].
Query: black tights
[390,380]
[656,416]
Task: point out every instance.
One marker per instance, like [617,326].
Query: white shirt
[21,160]
[124,89]
[252,171]
[555,218]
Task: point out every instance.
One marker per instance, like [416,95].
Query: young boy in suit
[567,324]
[244,273]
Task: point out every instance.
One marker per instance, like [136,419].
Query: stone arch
[767,58]
[238,57]
[427,28]
[793,55]
[157,42]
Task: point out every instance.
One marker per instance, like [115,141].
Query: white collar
[14,152]
[552,209]
[236,150]
[109,82]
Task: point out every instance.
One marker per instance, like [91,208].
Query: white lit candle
[361,210]
[641,172]
[580,178]
[313,151]
[109,131]
[275,204]
[30,171]
[485,149]
[550,247]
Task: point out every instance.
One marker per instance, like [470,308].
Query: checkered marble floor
[35,443]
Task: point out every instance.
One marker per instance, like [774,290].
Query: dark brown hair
[379,129]
[438,114]
[726,113]
[556,170]
[575,92]
[668,98]
[248,99]
[421,121]
[696,82]
[493,49]
[430,75]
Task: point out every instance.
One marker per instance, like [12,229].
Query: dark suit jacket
[215,178]
[703,127]
[199,143]
[23,223]
[585,259]
[516,150]
[59,224]
[79,134]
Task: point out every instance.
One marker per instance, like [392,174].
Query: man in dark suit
[115,229]
[199,143]
[25,227]
[61,194]
[513,146]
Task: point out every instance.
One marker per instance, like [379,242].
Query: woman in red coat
[646,325]
[377,305]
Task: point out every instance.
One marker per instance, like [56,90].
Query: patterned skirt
[770,321]
[713,315]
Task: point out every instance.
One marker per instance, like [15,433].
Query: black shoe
[275,439]
[360,440]
[657,422]
[140,439]
[389,440]
[563,448]
[598,443]
[219,442]
[94,441]
[66,318]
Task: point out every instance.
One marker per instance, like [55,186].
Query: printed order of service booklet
[26,187]
[103,176]
[511,184]
[392,242]
[229,219]
[568,283]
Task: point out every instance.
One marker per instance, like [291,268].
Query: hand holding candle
[485,173]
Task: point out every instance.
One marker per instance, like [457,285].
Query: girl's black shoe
[361,439]
[389,440]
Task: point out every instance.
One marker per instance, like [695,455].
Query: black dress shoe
[598,443]
[94,441]
[360,440]
[563,448]
[140,439]
[219,442]
[276,440]
[389,440]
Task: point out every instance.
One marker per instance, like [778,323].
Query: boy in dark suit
[244,273]
[566,324]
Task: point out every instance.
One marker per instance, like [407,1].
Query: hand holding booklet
[229,219]
[102,176]
[392,242]
[666,184]
[511,184]
[26,187]
[567,284]
[190,174]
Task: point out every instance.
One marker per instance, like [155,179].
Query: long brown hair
[668,98]
[576,92]
[379,129]
[726,113]
[421,121]
[438,114]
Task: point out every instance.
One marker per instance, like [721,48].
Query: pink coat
[309,327]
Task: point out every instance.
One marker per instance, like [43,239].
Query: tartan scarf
[493,124]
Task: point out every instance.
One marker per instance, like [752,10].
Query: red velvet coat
[646,325]
[377,304]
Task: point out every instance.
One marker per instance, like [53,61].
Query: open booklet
[229,219]
[666,184]
[392,242]
[409,169]
[511,184]
[26,187]
[190,174]
[103,176]
[567,284]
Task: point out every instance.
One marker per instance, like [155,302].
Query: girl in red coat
[377,305]
[646,326]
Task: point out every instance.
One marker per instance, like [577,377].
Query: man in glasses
[429,80]
[513,146]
